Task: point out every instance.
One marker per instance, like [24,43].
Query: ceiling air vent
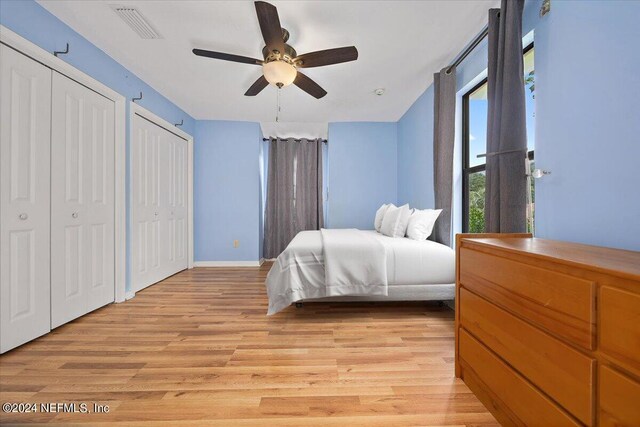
[137,22]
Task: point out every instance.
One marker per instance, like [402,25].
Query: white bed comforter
[354,263]
[299,272]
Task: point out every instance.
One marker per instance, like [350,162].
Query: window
[474,142]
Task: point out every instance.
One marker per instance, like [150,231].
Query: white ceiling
[400,44]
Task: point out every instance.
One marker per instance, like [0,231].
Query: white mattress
[409,262]
[299,274]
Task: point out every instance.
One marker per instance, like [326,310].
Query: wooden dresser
[548,333]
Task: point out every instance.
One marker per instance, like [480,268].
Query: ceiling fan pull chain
[278,106]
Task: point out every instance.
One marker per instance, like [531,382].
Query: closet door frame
[135,109]
[47,59]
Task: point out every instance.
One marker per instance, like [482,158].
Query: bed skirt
[444,292]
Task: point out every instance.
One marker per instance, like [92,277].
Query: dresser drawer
[620,326]
[565,374]
[619,399]
[560,303]
[513,394]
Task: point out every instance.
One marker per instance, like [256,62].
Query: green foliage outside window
[477,185]
[476,202]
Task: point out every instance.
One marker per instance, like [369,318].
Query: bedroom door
[82,200]
[25,115]
[159,203]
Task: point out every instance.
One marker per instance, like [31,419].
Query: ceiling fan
[281,62]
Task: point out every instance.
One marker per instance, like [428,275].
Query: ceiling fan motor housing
[288,55]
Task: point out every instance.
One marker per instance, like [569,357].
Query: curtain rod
[474,43]
[295,139]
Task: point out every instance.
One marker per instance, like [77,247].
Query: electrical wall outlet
[236,243]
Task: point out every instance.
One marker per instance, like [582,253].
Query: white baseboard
[129,295]
[227,263]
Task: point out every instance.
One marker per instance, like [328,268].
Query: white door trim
[143,112]
[46,58]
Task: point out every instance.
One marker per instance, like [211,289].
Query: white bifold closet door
[82,200]
[25,121]
[159,203]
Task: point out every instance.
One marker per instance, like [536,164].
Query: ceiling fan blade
[309,86]
[270,26]
[227,57]
[327,57]
[257,87]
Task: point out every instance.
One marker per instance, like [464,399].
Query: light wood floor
[198,349]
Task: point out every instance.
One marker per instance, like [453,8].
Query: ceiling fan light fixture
[279,73]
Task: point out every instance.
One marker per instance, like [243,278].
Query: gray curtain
[279,227]
[506,184]
[294,192]
[443,141]
[309,211]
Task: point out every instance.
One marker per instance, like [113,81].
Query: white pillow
[394,223]
[421,223]
[377,223]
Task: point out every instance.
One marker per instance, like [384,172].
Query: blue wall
[588,123]
[36,24]
[226,190]
[362,172]
[415,153]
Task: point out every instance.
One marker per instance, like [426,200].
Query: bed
[360,265]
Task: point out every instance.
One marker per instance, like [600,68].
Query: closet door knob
[23,216]
[74,215]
